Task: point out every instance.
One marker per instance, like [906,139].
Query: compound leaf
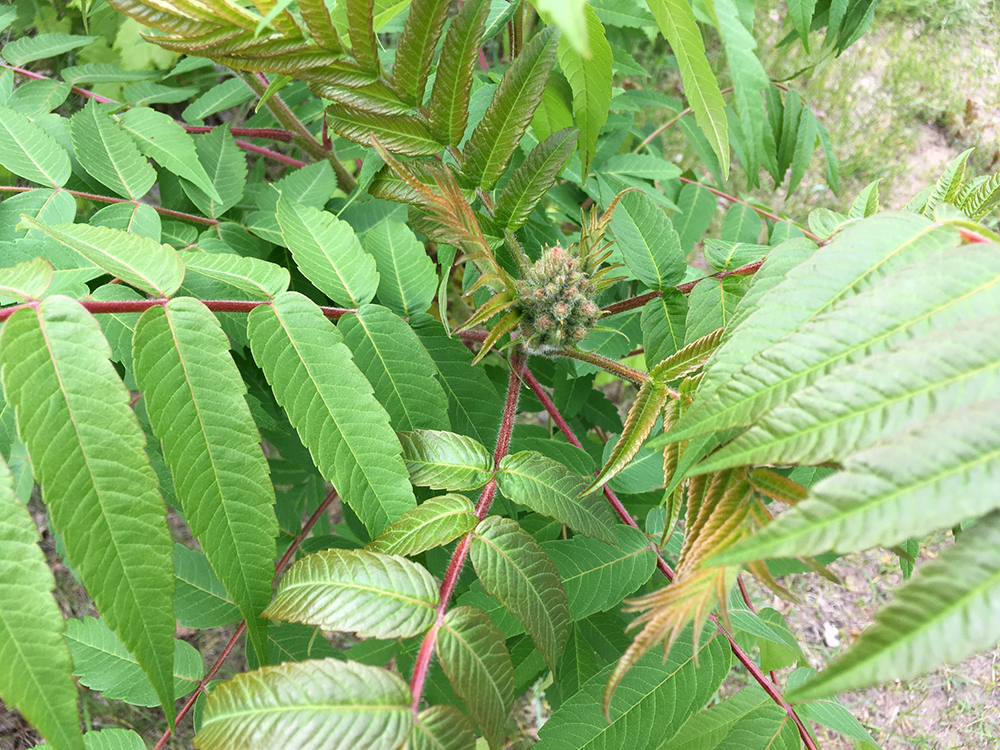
[332,407]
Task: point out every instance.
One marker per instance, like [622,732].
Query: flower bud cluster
[555,302]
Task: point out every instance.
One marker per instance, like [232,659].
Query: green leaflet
[164,141]
[588,71]
[514,568]
[258,278]
[361,28]
[498,134]
[28,49]
[415,49]
[677,23]
[35,677]
[27,280]
[947,187]
[331,406]
[388,352]
[689,359]
[860,256]
[598,576]
[857,405]
[108,153]
[749,80]
[113,739]
[475,658]
[767,726]
[29,151]
[86,448]
[448,109]
[712,304]
[399,134]
[648,242]
[546,486]
[139,261]
[958,284]
[195,401]
[201,601]
[696,205]
[226,166]
[642,416]
[533,178]
[357,591]
[571,18]
[706,729]
[578,664]
[867,202]
[406,278]
[944,614]
[442,728]
[103,663]
[445,461]
[229,93]
[326,250]
[315,704]
[930,477]
[137,218]
[653,701]
[663,326]
[433,523]
[801,13]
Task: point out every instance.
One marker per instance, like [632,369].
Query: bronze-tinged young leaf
[533,178]
[320,24]
[35,667]
[442,728]
[689,359]
[357,591]
[399,134]
[415,49]
[360,26]
[445,460]
[777,487]
[498,134]
[87,450]
[374,99]
[433,523]
[642,416]
[475,658]
[448,109]
[162,16]
[195,401]
[546,486]
[514,568]
[310,705]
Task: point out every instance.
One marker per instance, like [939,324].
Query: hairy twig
[517,369]
[751,206]
[605,363]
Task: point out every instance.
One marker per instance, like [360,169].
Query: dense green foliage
[300,394]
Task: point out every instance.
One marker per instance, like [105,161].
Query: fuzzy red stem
[141,305]
[269,154]
[770,688]
[279,568]
[109,199]
[634,302]
[517,372]
[273,134]
[746,600]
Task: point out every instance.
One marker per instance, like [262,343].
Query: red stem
[634,302]
[517,373]
[141,305]
[741,655]
[108,199]
[274,134]
[269,154]
[279,568]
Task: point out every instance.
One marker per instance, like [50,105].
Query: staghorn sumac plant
[330,378]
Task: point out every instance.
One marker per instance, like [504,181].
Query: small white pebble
[830,635]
